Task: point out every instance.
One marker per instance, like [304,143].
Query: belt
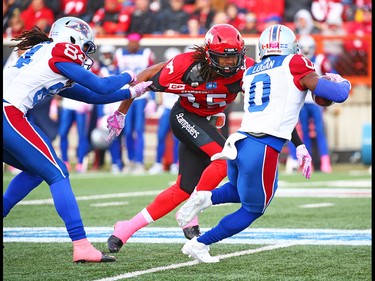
[257,135]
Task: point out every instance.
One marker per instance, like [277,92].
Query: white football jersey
[273,96]
[43,78]
[136,62]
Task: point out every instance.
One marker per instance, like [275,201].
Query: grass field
[318,229]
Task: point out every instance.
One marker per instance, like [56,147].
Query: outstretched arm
[145,75]
[91,81]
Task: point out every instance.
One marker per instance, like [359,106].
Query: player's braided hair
[29,38]
[206,70]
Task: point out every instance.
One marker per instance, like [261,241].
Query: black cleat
[191,232]
[114,244]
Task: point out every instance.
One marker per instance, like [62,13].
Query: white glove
[304,160]
[132,75]
[337,78]
[139,89]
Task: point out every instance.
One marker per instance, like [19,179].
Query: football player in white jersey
[274,92]
[53,64]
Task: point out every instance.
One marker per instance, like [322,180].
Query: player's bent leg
[125,229]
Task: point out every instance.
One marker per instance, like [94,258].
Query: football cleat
[197,202]
[191,232]
[198,251]
[114,244]
[84,251]
[104,258]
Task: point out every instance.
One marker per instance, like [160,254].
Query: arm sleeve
[84,77]
[337,92]
[296,140]
[80,93]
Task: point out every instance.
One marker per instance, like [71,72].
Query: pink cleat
[84,251]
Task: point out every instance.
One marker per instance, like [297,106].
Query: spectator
[250,24]
[10,7]
[323,10]
[304,23]
[220,17]
[83,9]
[195,28]
[142,19]
[271,20]
[15,25]
[265,9]
[311,112]
[235,16]
[203,13]
[159,5]
[360,26]
[55,6]
[173,20]
[38,14]
[292,7]
[112,19]
[136,58]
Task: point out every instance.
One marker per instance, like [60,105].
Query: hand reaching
[115,124]
[139,89]
[304,160]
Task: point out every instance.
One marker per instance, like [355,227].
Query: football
[98,138]
[322,101]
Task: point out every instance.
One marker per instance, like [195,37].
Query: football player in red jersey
[206,80]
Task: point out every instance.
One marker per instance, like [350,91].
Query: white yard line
[312,191]
[190,263]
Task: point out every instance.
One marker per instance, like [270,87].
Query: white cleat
[198,251]
[198,201]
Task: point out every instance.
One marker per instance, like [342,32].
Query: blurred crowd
[191,17]
[128,18]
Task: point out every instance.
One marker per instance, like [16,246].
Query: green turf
[53,261]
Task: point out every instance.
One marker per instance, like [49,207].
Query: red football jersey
[181,76]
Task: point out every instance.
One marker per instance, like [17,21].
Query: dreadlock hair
[30,38]
[205,70]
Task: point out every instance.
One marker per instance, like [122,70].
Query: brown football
[322,101]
